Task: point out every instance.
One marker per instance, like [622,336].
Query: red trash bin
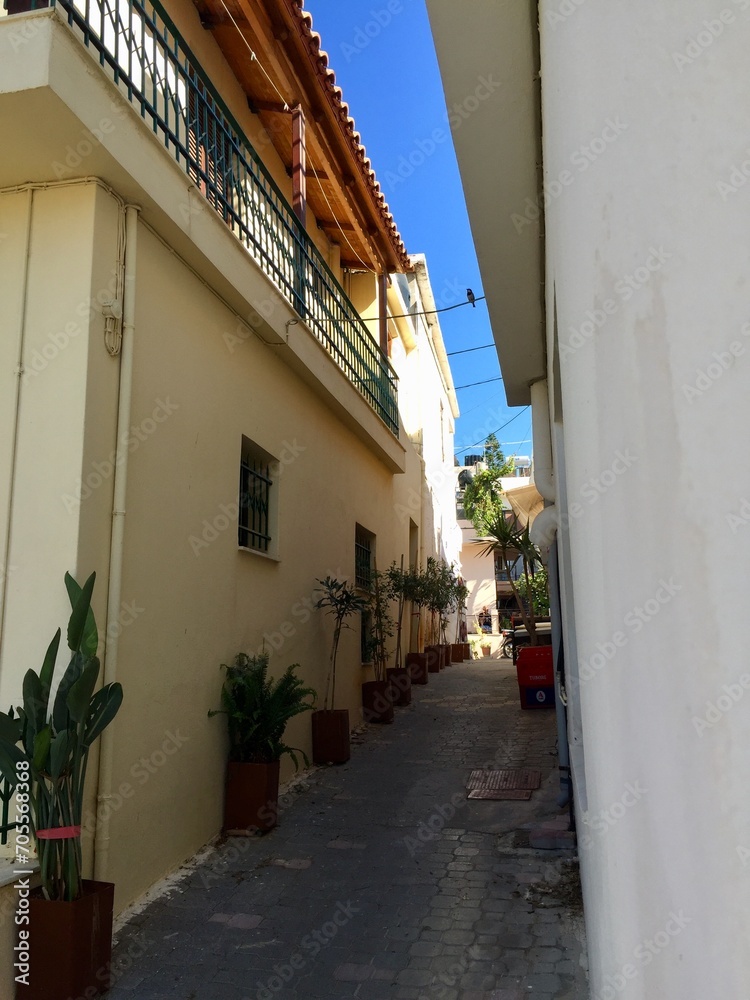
[536,677]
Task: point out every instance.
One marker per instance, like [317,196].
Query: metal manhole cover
[505,779]
[500,794]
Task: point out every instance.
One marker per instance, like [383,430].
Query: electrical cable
[502,427]
[483,382]
[428,312]
[254,57]
[468,350]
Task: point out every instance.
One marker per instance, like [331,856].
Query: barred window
[256,499]
[364,548]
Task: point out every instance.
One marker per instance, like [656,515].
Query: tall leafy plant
[341,602]
[383,623]
[50,740]
[258,709]
[511,541]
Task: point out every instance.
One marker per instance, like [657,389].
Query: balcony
[140,50]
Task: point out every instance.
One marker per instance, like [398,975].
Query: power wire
[428,312]
[468,350]
[501,428]
[483,382]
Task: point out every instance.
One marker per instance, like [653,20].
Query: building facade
[220,383]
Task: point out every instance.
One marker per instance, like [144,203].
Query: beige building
[215,389]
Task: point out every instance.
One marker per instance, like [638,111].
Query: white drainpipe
[543,475]
[111,644]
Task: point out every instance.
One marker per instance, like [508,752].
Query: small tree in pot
[44,750]
[257,709]
[330,727]
[409,586]
[378,695]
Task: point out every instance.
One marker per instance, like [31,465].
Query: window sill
[261,555]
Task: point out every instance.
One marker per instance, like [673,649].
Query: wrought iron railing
[139,47]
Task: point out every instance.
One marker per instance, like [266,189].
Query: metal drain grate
[505,780]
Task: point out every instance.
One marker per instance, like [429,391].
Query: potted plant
[257,710]
[434,601]
[377,695]
[399,676]
[460,593]
[330,726]
[409,585]
[45,746]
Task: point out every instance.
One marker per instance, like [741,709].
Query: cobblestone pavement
[382,880]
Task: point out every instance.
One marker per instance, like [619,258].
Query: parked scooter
[506,645]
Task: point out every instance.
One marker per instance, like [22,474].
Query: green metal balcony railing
[137,44]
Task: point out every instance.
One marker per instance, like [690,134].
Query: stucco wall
[647,259]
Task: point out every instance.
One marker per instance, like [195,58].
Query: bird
[470,297]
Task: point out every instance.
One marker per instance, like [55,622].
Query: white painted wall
[645,247]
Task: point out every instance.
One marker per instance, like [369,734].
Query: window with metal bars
[255,504]
[364,550]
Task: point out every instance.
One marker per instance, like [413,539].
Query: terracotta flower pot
[377,703]
[447,657]
[467,650]
[457,652]
[400,684]
[330,736]
[416,664]
[486,650]
[252,797]
[434,658]
[69,945]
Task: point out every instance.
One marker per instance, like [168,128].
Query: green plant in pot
[44,752]
[409,586]
[257,710]
[330,726]
[378,694]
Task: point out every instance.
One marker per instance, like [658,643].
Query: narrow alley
[382,880]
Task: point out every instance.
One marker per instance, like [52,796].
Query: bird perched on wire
[470,297]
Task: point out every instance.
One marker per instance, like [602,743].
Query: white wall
[653,391]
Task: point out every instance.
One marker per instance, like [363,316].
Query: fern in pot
[257,710]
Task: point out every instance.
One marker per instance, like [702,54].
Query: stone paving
[382,880]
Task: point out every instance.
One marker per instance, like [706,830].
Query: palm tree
[511,541]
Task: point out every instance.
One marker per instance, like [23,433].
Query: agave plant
[258,709]
[50,741]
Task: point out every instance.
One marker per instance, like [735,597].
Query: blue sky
[384,59]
